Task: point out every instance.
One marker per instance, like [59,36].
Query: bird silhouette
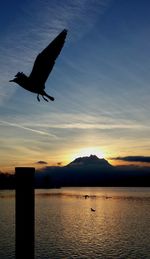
[42,67]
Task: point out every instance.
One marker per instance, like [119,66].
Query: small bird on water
[42,67]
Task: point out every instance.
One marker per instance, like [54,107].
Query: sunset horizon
[139,161]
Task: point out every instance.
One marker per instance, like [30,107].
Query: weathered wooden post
[25,212]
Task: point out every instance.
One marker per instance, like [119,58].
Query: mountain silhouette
[92,161]
[42,67]
[83,171]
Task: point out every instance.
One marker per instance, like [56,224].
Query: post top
[24,169]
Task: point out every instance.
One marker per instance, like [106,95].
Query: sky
[100,82]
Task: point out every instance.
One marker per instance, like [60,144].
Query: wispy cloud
[27,128]
[80,121]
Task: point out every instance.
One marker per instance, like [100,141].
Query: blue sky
[100,81]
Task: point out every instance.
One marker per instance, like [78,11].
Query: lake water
[67,228]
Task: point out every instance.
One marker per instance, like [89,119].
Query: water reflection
[67,228]
[97,193]
[117,229]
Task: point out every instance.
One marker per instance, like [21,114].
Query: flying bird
[42,67]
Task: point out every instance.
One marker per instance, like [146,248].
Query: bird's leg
[38,98]
[44,98]
[48,96]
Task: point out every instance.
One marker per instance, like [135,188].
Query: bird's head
[19,78]
[13,80]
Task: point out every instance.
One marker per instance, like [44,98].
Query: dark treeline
[111,177]
[59,177]
[7,181]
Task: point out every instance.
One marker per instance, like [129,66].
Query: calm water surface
[67,228]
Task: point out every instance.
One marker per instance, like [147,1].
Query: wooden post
[25,212]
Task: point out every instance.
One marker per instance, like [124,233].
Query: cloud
[27,128]
[80,121]
[59,163]
[41,162]
[141,159]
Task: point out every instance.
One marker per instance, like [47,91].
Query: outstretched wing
[45,61]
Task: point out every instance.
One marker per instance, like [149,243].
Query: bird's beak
[11,80]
